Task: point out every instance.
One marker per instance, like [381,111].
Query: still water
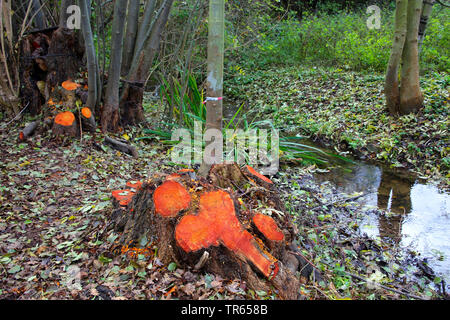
[418,212]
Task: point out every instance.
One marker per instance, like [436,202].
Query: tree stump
[65,124]
[87,120]
[210,224]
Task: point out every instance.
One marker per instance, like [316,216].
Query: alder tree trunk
[63,15]
[427,8]
[39,17]
[214,85]
[146,48]
[92,63]
[213,225]
[391,87]
[130,35]
[110,113]
[405,97]
[411,97]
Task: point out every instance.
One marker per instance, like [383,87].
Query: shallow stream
[417,213]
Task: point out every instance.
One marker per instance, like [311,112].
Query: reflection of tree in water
[394,195]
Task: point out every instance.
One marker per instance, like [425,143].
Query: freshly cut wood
[170,198]
[87,120]
[65,124]
[28,130]
[69,85]
[122,147]
[123,197]
[268,227]
[254,175]
[200,224]
[134,185]
[215,224]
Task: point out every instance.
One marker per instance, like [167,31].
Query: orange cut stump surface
[268,227]
[65,118]
[70,85]
[123,196]
[217,223]
[86,112]
[170,198]
[259,175]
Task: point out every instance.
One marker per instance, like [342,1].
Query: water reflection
[394,195]
[417,215]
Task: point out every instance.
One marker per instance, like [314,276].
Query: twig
[341,200]
[16,117]
[383,286]
[377,284]
[202,261]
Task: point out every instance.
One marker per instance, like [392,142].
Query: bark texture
[92,64]
[404,96]
[110,113]
[146,48]
[214,85]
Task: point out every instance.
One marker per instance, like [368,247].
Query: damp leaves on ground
[55,203]
[346,111]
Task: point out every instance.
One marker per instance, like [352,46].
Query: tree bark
[39,18]
[132,96]
[121,146]
[427,8]
[391,86]
[110,113]
[63,16]
[405,97]
[90,55]
[411,97]
[130,35]
[214,90]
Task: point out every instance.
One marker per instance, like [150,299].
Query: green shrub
[342,39]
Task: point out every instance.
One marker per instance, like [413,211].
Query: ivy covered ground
[346,111]
[55,201]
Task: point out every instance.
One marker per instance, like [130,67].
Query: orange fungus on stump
[170,198]
[259,175]
[65,119]
[268,227]
[217,223]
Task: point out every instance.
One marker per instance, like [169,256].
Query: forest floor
[346,111]
[55,202]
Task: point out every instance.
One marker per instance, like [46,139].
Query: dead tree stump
[231,224]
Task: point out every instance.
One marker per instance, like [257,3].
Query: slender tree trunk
[130,35]
[39,17]
[131,100]
[214,90]
[63,16]
[391,87]
[144,30]
[411,98]
[110,113]
[90,54]
[427,7]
